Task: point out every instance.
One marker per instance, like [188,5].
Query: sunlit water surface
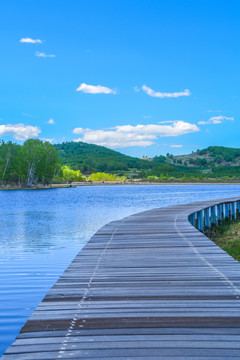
[42,231]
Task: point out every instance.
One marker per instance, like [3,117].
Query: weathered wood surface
[149,286]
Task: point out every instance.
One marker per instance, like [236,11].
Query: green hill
[211,156]
[90,157]
[214,162]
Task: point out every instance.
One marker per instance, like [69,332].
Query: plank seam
[79,305]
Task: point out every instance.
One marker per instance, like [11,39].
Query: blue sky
[142,77]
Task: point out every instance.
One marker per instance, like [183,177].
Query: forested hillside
[39,162]
[214,162]
[211,156]
[90,157]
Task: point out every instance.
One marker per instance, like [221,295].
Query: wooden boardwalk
[149,286]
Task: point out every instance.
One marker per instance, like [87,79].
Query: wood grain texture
[149,286]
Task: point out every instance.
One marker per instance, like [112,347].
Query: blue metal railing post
[213,215]
[219,214]
[206,219]
[200,220]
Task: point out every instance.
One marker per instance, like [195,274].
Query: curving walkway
[149,286]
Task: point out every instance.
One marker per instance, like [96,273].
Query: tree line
[34,162]
[37,162]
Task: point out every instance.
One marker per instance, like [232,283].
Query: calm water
[41,232]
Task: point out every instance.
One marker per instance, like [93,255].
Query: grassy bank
[227,237]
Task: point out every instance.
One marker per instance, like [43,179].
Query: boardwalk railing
[215,215]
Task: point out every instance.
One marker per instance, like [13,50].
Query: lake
[42,230]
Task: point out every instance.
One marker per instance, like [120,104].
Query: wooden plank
[149,286]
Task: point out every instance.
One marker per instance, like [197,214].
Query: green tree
[33,155]
[39,162]
[51,163]
[8,155]
[70,175]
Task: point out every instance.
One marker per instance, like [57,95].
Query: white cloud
[221,118]
[139,135]
[19,131]
[92,89]
[176,146]
[203,122]
[147,117]
[43,55]
[153,93]
[30,41]
[48,140]
[216,120]
[166,122]
[80,130]
[51,121]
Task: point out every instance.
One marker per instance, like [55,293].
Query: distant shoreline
[103,183]
[107,183]
[154,183]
